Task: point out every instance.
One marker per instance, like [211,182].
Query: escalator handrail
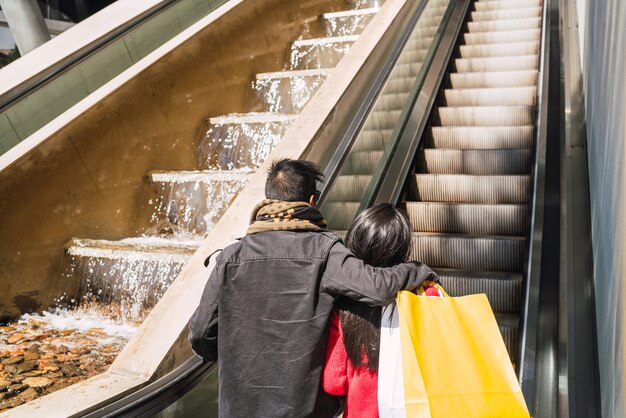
[17,93]
[388,181]
[528,340]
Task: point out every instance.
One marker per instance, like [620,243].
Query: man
[274,291]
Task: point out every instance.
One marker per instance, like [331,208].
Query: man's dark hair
[381,237]
[292,180]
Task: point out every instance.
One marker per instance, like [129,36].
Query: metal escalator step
[462,188]
[435,9]
[371,140]
[486,116]
[519,63]
[418,44]
[480,137]
[506,4]
[524,35]
[509,328]
[478,162]
[504,290]
[381,120]
[398,85]
[424,32]
[474,219]
[409,69]
[509,96]
[504,25]
[390,102]
[499,50]
[506,14]
[524,78]
[348,188]
[362,162]
[467,252]
[339,215]
[412,56]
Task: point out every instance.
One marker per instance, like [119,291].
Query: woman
[380,236]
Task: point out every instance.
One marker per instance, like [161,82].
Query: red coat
[340,378]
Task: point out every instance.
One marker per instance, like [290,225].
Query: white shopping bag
[390,379]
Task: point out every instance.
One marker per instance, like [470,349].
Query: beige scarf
[278,215]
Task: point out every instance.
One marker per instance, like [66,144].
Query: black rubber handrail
[529,332]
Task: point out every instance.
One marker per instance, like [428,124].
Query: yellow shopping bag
[454,360]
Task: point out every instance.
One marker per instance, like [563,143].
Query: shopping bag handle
[422,290]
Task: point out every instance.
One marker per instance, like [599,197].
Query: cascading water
[241,141]
[122,280]
[189,203]
[351,22]
[288,91]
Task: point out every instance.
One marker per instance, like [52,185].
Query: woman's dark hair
[292,180]
[381,237]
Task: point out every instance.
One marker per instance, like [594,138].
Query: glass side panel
[376,137]
[201,401]
[49,101]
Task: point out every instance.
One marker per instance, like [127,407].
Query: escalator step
[525,35]
[390,102]
[524,78]
[409,69]
[432,12]
[362,162]
[509,328]
[504,25]
[506,14]
[511,96]
[498,50]
[504,290]
[519,63]
[468,252]
[486,116]
[399,85]
[475,219]
[478,162]
[460,188]
[418,44]
[348,188]
[339,215]
[411,56]
[381,120]
[371,140]
[480,137]
[506,4]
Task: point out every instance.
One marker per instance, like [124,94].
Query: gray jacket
[264,317]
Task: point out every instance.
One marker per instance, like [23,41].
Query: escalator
[452,134]
[469,189]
